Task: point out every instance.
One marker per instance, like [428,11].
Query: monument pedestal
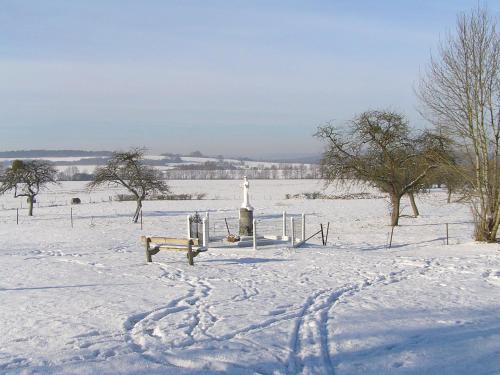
[246,222]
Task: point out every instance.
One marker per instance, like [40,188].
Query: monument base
[246,222]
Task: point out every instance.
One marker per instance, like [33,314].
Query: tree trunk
[137,210]
[491,229]
[413,204]
[449,196]
[493,233]
[31,199]
[485,227]
[395,203]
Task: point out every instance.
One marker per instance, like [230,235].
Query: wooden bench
[155,244]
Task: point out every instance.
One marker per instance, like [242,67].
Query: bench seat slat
[171,240]
[167,240]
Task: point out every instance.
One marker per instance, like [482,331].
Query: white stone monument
[246,211]
[246,200]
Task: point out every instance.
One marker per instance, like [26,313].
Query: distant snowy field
[186,160]
[82,300]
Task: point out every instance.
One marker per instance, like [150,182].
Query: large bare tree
[378,148]
[27,178]
[460,94]
[127,169]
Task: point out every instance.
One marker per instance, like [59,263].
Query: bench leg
[190,256]
[149,259]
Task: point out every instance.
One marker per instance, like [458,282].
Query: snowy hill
[86,162]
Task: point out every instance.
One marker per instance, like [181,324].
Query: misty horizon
[237,79]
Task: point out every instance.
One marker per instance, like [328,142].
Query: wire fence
[447,232]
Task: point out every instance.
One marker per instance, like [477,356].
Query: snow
[83,300]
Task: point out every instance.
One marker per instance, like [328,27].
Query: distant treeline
[96,161]
[208,171]
[210,165]
[178,168]
[104,160]
[256,173]
[52,153]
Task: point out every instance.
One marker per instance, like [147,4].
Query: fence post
[206,238]
[284,224]
[447,234]
[292,234]
[207,218]
[254,235]
[71,214]
[327,230]
[188,226]
[303,233]
[390,239]
[17,216]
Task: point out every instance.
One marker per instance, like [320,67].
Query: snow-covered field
[186,160]
[82,299]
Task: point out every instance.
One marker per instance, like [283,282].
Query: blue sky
[226,77]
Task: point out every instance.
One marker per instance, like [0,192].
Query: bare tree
[452,172]
[127,169]
[27,178]
[460,94]
[378,149]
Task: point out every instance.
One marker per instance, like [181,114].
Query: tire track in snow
[310,337]
[310,341]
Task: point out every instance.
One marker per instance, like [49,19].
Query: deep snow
[83,300]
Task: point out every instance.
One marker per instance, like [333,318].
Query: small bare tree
[127,169]
[27,178]
[460,93]
[378,148]
[454,172]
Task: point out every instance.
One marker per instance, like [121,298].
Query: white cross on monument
[246,201]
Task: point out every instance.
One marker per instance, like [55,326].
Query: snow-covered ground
[83,300]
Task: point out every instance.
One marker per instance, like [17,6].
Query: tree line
[274,172]
[211,170]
